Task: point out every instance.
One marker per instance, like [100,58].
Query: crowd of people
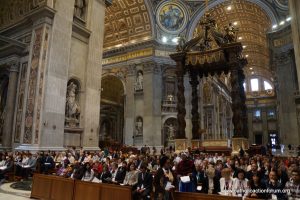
[158,175]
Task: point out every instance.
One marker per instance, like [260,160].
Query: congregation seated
[160,175]
[6,167]
[26,166]
[65,170]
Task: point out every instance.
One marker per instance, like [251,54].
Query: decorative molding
[13,11]
[282,58]
[80,32]
[20,102]
[128,56]
[32,148]
[32,85]
[14,67]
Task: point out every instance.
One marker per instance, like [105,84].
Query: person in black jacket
[164,180]
[200,179]
[257,185]
[47,164]
[121,173]
[144,185]
[254,170]
[105,176]
[275,187]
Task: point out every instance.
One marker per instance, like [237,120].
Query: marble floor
[6,192]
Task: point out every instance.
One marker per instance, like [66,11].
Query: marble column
[93,74]
[152,104]
[195,109]
[54,89]
[10,105]
[129,108]
[294,6]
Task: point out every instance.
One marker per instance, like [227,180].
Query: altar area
[211,53]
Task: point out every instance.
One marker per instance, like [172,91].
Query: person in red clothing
[185,168]
[97,167]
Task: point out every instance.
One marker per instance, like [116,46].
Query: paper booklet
[185,179]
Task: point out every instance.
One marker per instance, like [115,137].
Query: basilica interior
[108,99]
[94,73]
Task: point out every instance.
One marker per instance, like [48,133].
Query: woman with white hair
[226,182]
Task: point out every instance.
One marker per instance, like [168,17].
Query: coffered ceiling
[126,21]
[253,24]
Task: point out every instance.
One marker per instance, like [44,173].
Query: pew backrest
[200,196]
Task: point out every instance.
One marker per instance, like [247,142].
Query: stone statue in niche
[139,126]
[79,9]
[139,82]
[72,105]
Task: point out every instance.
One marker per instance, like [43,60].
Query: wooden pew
[52,187]
[110,191]
[199,196]
[101,191]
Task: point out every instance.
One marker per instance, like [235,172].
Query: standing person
[185,168]
[164,180]
[201,180]
[242,152]
[144,185]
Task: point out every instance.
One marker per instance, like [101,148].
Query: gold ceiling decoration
[126,21]
[253,24]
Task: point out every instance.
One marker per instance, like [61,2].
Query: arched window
[267,86]
[254,85]
[245,88]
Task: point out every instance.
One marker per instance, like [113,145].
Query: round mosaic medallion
[171,17]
